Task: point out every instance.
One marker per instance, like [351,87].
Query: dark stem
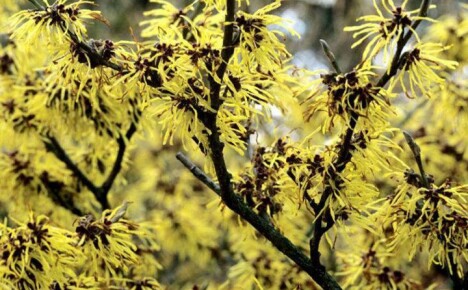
[54,146]
[404,38]
[198,173]
[122,143]
[226,53]
[100,193]
[333,172]
[54,192]
[263,226]
[94,56]
[345,151]
[230,199]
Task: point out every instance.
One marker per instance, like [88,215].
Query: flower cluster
[37,255]
[385,29]
[55,20]
[343,94]
[433,219]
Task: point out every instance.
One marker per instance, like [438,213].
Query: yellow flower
[433,219]
[346,93]
[385,28]
[55,20]
[258,45]
[36,254]
[109,240]
[423,68]
[452,31]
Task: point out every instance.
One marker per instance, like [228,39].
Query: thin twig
[330,55]
[404,38]
[344,156]
[198,173]
[417,156]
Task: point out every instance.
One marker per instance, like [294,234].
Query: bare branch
[198,173]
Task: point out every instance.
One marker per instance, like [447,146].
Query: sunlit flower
[109,240]
[434,219]
[36,254]
[385,28]
[55,20]
[375,268]
[258,43]
[346,93]
[423,68]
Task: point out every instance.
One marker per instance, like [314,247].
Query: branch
[93,54]
[404,38]
[226,54]
[54,189]
[198,173]
[122,142]
[330,55]
[100,193]
[54,146]
[333,173]
[345,155]
[264,227]
[225,190]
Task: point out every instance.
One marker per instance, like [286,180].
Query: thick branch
[263,226]
[54,191]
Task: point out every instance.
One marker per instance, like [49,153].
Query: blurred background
[312,19]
